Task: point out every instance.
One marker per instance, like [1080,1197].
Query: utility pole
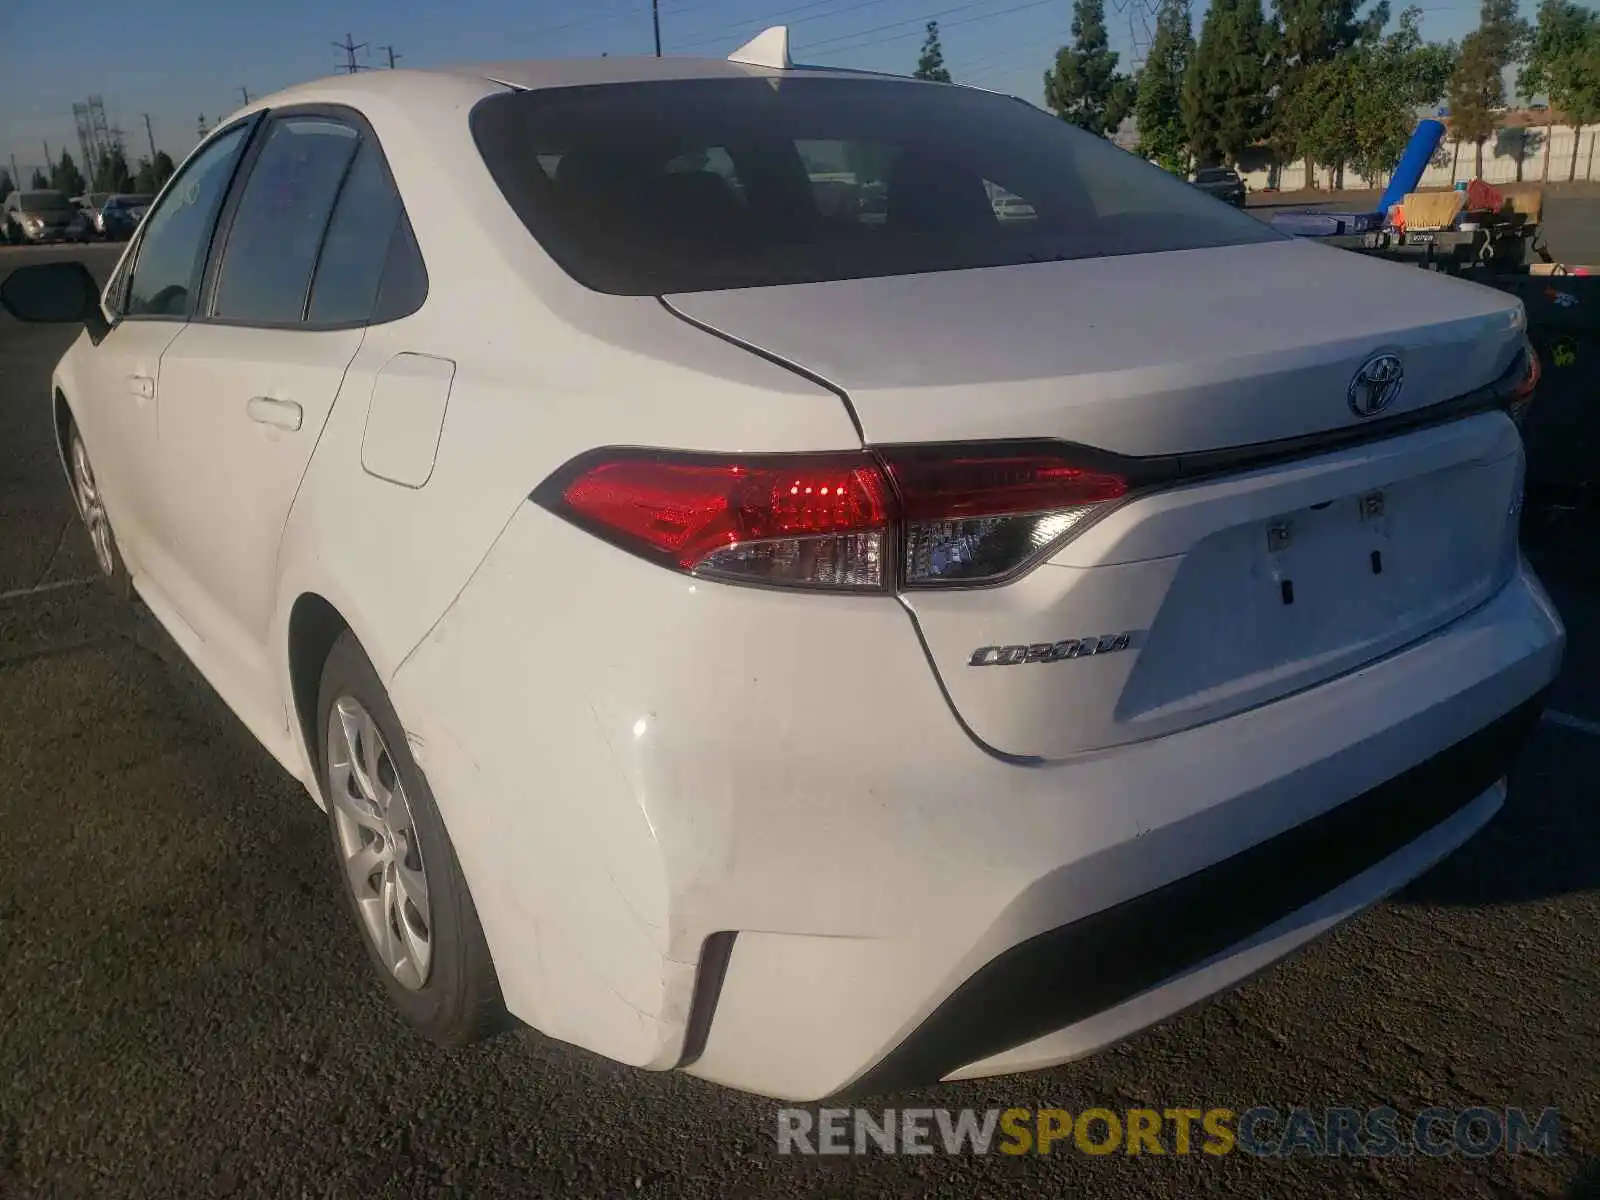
[200,125]
[350,46]
[48,161]
[244,93]
[149,133]
[16,179]
[389,50]
[655,19]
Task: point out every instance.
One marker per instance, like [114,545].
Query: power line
[350,46]
[988,16]
[724,32]
[919,21]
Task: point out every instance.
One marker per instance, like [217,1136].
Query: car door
[147,302]
[248,385]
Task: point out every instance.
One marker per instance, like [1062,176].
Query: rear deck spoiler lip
[1144,473]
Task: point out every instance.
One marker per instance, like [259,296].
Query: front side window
[172,250]
[278,227]
[692,185]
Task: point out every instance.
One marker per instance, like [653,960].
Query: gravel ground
[185,1009]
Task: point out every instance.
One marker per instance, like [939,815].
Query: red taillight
[1522,397]
[964,516]
[975,517]
[821,521]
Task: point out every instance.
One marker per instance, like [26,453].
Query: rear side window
[282,215]
[693,185]
[364,223]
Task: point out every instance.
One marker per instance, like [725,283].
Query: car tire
[392,851]
[91,506]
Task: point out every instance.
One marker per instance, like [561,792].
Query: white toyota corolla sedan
[748,609]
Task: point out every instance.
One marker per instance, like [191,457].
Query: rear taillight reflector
[1522,395]
[952,517]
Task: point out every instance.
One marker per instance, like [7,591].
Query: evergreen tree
[1084,87]
[1163,135]
[40,182]
[66,178]
[162,167]
[1225,90]
[6,185]
[930,64]
[111,173]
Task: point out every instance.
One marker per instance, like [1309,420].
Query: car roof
[421,85]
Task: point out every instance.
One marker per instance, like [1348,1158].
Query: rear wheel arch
[314,626]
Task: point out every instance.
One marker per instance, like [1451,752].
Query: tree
[1308,33]
[111,173]
[40,182]
[1561,63]
[163,168]
[1084,87]
[66,178]
[6,186]
[930,64]
[1162,133]
[1475,91]
[1359,108]
[1225,102]
[1477,86]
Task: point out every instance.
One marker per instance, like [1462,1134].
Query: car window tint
[405,277]
[172,250]
[282,215]
[831,178]
[353,256]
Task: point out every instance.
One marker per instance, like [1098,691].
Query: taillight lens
[817,521]
[835,521]
[1522,397]
[976,517]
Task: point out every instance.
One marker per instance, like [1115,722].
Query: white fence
[1531,155]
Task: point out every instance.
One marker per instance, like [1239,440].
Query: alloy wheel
[91,507]
[377,842]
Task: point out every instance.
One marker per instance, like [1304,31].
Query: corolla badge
[1376,384]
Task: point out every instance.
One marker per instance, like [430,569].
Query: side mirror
[56,293]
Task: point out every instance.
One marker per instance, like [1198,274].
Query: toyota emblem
[1376,385]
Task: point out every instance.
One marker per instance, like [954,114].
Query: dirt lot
[185,1010]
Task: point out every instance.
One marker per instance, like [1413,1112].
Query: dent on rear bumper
[630,761]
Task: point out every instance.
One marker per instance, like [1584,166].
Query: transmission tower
[389,51]
[350,46]
[86,146]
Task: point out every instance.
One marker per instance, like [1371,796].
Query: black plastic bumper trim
[1070,973]
[714,957]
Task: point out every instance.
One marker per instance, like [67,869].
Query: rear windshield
[694,185]
[1214,175]
[129,202]
[39,202]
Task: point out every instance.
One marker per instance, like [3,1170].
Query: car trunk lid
[1191,599]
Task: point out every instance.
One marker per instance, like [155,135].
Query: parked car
[121,214]
[89,204]
[821,656]
[1222,182]
[42,216]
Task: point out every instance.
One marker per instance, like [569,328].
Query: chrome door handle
[142,386]
[283,414]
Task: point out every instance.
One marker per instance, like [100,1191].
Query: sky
[178,60]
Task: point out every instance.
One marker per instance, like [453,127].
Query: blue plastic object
[1413,162]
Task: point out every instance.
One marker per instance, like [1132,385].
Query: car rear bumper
[635,765]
